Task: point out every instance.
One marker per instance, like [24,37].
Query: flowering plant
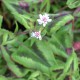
[39,40]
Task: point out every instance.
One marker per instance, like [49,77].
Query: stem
[25,32]
[62,9]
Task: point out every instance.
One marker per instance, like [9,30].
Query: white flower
[44,19]
[36,34]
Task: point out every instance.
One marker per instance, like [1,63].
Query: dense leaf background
[56,56]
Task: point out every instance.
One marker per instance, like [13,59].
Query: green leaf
[48,6]
[3,69]
[54,39]
[30,63]
[45,6]
[21,20]
[34,74]
[58,51]
[61,23]
[72,61]
[32,1]
[75,62]
[47,52]
[68,37]
[68,63]
[15,2]
[11,65]
[1,18]
[30,53]
[3,78]
[16,29]
[73,3]
[16,15]
[5,37]
[68,41]
[57,67]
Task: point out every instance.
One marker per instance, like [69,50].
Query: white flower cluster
[36,34]
[43,19]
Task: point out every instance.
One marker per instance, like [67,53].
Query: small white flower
[44,19]
[36,34]
[32,34]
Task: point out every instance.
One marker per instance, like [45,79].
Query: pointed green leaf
[1,18]
[61,23]
[11,65]
[73,3]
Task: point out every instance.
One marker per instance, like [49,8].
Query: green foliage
[1,18]
[20,18]
[45,6]
[73,3]
[23,57]
[61,23]
[3,78]
[11,64]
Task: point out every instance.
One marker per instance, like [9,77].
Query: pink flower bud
[23,4]
[76,45]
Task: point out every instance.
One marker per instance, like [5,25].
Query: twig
[62,9]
